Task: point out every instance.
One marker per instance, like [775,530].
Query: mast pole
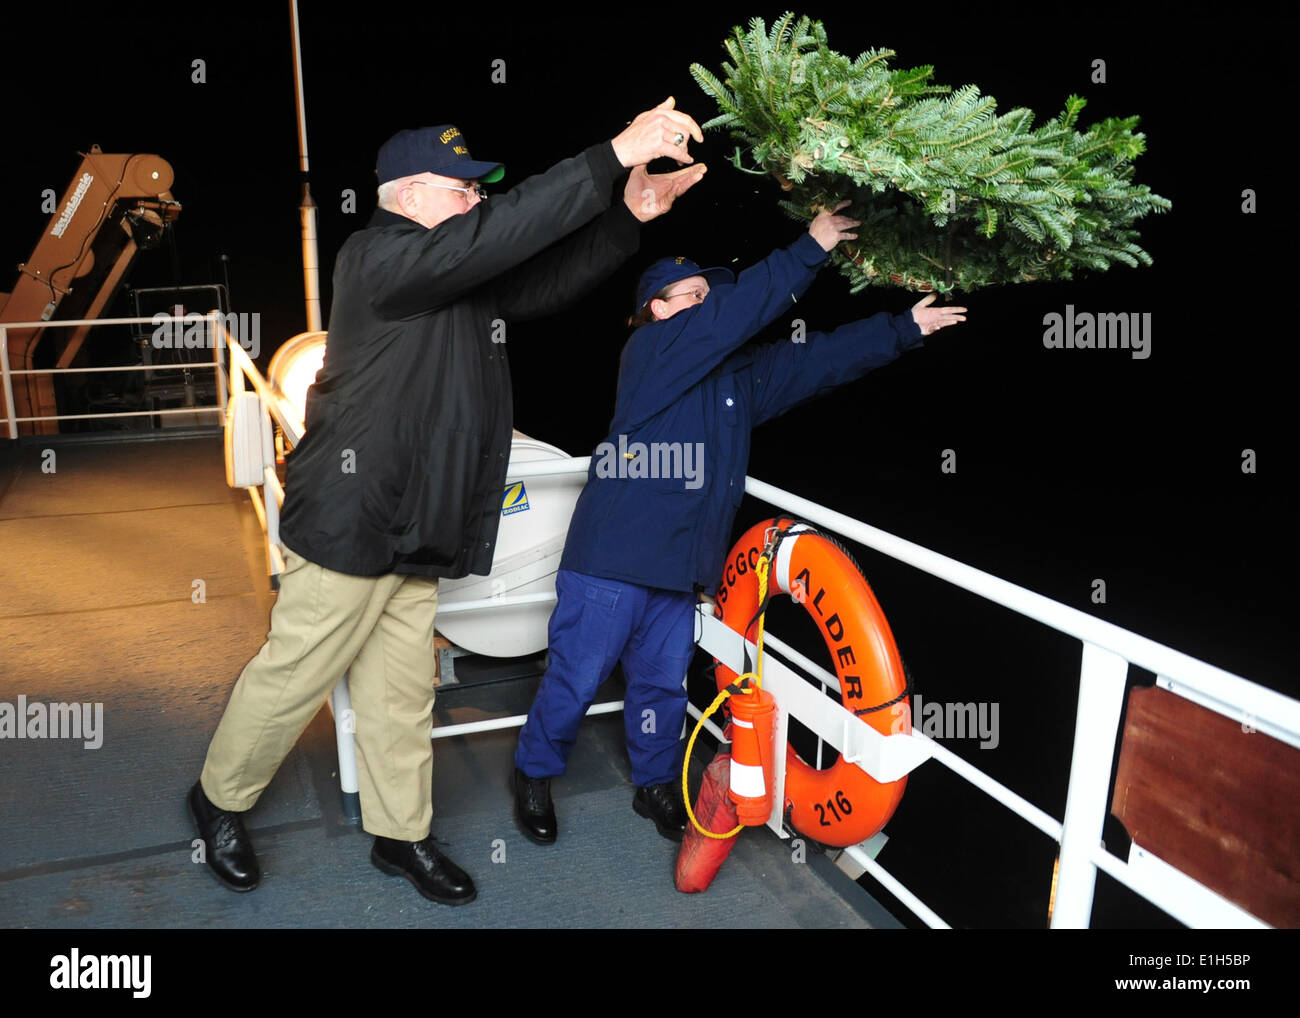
[306,207]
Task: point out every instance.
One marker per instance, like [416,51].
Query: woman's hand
[933,319]
[829,228]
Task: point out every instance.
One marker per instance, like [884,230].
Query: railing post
[269,500]
[1102,674]
[344,729]
[10,412]
[219,355]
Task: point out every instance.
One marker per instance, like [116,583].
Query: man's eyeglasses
[475,187]
[698,294]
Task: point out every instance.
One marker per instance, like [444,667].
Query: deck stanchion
[219,357]
[344,727]
[10,413]
[268,497]
[1101,698]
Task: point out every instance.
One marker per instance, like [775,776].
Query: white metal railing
[12,420]
[1107,652]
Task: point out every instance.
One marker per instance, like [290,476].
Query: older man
[398,480]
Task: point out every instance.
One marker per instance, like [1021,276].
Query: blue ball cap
[667,271]
[441,150]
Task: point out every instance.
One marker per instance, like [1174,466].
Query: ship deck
[105,542]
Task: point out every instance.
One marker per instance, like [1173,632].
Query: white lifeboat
[535,515]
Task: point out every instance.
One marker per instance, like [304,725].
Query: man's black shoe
[663,805]
[433,874]
[226,845]
[534,811]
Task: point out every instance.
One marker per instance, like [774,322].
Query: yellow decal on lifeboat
[515,499]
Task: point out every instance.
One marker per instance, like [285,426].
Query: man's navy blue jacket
[683,386]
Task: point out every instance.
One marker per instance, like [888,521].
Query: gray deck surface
[97,563]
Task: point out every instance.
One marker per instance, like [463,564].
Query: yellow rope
[686,795]
[757,676]
[761,569]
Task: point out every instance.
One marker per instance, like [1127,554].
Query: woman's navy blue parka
[664,487]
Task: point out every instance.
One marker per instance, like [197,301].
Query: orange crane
[116,205]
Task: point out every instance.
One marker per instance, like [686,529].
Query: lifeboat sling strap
[753,677]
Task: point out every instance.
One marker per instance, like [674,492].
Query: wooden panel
[1219,803]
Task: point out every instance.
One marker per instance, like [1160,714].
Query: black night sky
[1072,465]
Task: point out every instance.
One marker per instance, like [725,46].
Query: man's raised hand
[648,195]
[655,133]
[829,227]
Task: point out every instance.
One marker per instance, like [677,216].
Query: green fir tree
[952,195]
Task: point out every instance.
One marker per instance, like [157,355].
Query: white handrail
[62,323]
[12,419]
[1229,689]
[1108,649]
[119,413]
[191,366]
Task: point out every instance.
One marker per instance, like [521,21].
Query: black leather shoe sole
[671,833]
[524,829]
[198,829]
[384,866]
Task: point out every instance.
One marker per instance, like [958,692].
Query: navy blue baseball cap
[667,271]
[439,150]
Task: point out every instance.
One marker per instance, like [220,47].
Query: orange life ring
[840,805]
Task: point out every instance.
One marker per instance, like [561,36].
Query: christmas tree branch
[928,167]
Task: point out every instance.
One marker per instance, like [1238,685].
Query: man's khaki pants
[379,629]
